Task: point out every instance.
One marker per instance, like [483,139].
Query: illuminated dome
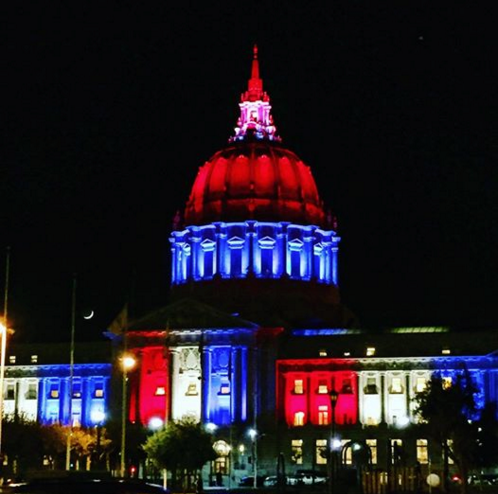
[254,177]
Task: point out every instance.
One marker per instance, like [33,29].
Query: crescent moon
[89,316]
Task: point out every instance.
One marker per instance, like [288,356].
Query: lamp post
[3,335]
[253,434]
[334,396]
[128,362]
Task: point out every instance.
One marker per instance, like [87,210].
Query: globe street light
[127,362]
[334,396]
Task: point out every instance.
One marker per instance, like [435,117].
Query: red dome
[254,180]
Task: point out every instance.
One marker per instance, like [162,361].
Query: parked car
[248,481]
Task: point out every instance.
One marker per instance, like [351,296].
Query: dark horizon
[109,112]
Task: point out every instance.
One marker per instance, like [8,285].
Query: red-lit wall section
[304,394]
[149,393]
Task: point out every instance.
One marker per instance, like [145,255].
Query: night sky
[108,110]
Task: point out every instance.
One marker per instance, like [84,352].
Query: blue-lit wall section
[225,384]
[263,250]
[90,394]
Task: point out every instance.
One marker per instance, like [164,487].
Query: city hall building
[255,342]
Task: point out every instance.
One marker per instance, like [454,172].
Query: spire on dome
[255,118]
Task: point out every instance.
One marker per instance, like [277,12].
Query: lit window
[322,352]
[446,381]
[77,391]
[422,451]
[160,391]
[321,451]
[396,387]
[192,390]
[12,359]
[347,354]
[323,389]
[298,387]
[54,393]
[371,421]
[224,389]
[299,419]
[297,451]
[372,444]
[347,453]
[323,415]
[99,393]
[34,359]
[420,385]
[446,351]
[449,443]
[370,351]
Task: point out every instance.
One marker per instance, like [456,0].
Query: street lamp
[98,418]
[334,396]
[253,434]
[127,362]
[3,333]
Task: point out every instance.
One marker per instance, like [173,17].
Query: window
[347,454]
[31,392]
[323,389]
[322,352]
[370,351]
[297,451]
[298,387]
[446,381]
[299,419]
[422,451]
[323,415]
[34,359]
[396,450]
[192,390]
[396,386]
[160,391]
[420,384]
[449,443]
[371,387]
[321,451]
[99,393]
[10,392]
[372,444]
[346,389]
[446,351]
[12,359]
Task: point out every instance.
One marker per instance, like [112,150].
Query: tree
[451,417]
[182,447]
